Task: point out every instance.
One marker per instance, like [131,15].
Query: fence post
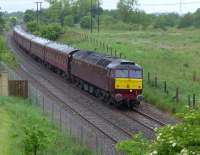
[82,142]
[194,100]
[177,95]
[148,77]
[52,112]
[120,55]
[165,86]
[189,101]
[111,51]
[96,144]
[43,100]
[61,120]
[156,81]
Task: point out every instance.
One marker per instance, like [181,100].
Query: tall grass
[5,54]
[172,55]
[17,114]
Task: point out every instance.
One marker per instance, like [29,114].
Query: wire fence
[68,121]
[177,93]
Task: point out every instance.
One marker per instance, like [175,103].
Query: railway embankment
[25,129]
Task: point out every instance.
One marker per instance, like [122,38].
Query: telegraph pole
[98,16]
[181,3]
[39,6]
[91,22]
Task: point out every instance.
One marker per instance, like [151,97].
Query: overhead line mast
[91,22]
[39,6]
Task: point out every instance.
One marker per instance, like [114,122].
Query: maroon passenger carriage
[58,57]
[23,39]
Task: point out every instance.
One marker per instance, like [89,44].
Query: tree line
[126,16]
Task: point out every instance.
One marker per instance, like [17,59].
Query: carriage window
[121,74]
[135,74]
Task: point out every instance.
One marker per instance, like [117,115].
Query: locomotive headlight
[131,90]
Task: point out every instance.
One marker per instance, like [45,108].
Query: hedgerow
[180,139]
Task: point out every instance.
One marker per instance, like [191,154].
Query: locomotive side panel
[92,74]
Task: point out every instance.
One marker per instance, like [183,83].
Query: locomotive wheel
[97,93]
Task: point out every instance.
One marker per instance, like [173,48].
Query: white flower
[174,144]
[184,152]
[153,153]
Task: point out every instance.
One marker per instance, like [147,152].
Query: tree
[29,15]
[126,9]
[85,22]
[36,139]
[196,17]
[2,22]
[186,21]
[13,21]
[69,20]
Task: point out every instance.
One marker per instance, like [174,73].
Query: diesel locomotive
[116,81]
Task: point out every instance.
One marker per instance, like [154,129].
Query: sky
[150,6]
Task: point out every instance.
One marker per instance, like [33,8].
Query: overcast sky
[150,6]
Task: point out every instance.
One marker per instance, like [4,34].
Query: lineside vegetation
[25,130]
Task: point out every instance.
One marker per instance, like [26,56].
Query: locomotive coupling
[140,98]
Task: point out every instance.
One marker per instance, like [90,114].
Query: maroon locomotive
[115,80]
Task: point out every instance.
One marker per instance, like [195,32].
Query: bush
[186,21]
[32,26]
[69,20]
[52,31]
[180,139]
[85,22]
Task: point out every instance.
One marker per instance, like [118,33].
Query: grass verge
[5,55]
[172,55]
[16,115]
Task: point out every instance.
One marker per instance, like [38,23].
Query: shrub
[85,22]
[32,26]
[180,139]
[51,31]
[69,20]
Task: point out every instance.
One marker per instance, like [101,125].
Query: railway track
[125,124]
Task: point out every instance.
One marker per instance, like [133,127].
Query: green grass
[5,139]
[172,55]
[5,55]
[15,114]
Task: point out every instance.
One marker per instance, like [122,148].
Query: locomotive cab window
[121,74]
[135,74]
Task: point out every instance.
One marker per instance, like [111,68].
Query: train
[114,80]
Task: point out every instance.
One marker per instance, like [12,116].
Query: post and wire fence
[67,121]
[177,94]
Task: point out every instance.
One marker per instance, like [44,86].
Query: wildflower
[153,153]
[174,144]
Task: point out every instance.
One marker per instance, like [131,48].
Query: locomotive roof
[40,40]
[105,61]
[61,47]
[20,31]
